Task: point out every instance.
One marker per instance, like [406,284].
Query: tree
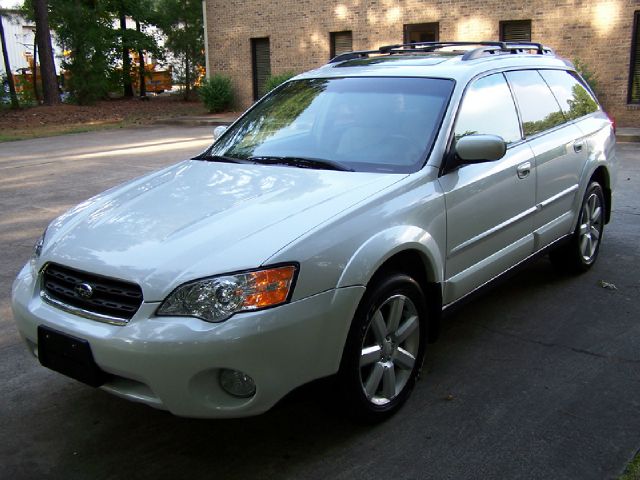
[141,72]
[85,30]
[126,59]
[48,75]
[7,67]
[181,21]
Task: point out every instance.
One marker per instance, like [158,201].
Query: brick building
[250,39]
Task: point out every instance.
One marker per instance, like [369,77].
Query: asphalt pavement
[538,378]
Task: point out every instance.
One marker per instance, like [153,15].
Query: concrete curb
[212,121]
[627,138]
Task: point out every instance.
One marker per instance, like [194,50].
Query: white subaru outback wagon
[325,231]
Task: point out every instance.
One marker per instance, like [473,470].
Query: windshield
[362,124]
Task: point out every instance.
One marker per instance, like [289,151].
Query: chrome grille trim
[80,312]
[109,300]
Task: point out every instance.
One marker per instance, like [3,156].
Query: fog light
[237,383]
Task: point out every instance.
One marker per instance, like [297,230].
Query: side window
[487,108]
[575,100]
[539,109]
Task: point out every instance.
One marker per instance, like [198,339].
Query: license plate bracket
[68,355]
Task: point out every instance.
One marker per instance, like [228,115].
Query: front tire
[581,252]
[385,348]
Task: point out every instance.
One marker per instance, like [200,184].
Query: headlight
[37,250]
[217,298]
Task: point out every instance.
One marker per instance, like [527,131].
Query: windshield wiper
[221,158]
[302,162]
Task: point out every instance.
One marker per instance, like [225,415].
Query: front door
[489,205]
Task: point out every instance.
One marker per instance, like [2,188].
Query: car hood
[197,219]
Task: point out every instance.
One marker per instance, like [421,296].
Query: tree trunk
[49,80]
[187,76]
[126,61]
[7,68]
[34,73]
[143,86]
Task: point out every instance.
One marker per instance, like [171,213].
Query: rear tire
[581,252]
[385,348]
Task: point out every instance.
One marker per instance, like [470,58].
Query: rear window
[366,124]
[539,109]
[574,99]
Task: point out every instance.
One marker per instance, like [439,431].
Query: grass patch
[47,121]
[632,471]
[57,130]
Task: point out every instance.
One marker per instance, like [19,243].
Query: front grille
[91,293]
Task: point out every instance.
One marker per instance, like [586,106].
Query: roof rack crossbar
[484,49]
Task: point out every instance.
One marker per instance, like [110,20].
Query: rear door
[560,152]
[489,205]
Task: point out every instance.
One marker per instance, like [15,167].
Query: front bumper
[173,363]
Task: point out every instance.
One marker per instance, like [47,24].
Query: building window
[515,31]
[421,32]
[261,65]
[634,73]
[341,42]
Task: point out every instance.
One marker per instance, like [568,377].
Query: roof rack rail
[485,48]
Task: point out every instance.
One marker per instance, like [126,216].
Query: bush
[276,80]
[216,93]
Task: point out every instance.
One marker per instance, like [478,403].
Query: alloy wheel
[590,227]
[389,349]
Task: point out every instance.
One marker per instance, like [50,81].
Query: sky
[9,3]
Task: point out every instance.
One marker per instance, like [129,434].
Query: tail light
[613,122]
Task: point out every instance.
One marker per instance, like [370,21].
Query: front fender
[381,247]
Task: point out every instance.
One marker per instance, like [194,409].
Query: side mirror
[480,148]
[218,131]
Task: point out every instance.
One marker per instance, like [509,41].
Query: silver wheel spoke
[585,213]
[595,216]
[406,329]
[373,382]
[370,355]
[403,359]
[395,313]
[389,382]
[584,228]
[379,327]
[592,204]
[595,233]
[584,241]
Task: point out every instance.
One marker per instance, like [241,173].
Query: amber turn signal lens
[267,288]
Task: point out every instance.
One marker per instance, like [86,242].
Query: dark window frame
[254,64]
[635,33]
[408,28]
[332,41]
[505,23]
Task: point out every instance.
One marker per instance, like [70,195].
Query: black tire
[581,252]
[390,374]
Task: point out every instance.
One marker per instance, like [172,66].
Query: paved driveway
[540,378]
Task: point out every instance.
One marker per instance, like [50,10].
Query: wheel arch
[601,175]
[409,250]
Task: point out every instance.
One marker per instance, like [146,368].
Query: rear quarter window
[539,109]
[574,99]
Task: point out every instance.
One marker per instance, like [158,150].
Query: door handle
[524,169]
[577,146]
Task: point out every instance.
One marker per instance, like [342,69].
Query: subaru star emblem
[84,290]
